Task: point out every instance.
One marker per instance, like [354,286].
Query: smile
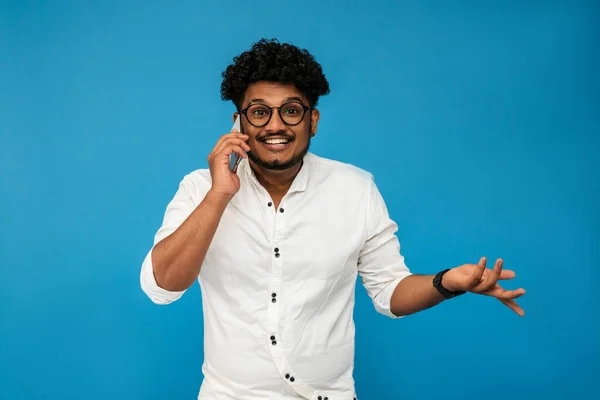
[276,141]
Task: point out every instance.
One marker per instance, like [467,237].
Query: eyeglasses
[291,113]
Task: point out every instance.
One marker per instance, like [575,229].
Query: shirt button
[277,255]
[320,398]
[273,300]
[287,376]
[272,337]
[269,204]
[276,249]
[281,210]
[292,379]
[273,343]
[273,294]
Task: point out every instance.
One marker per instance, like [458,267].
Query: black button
[276,249]
[292,379]
[320,398]
[273,343]
[269,204]
[287,376]
[273,294]
[277,255]
[326,398]
[273,300]
[272,337]
[281,210]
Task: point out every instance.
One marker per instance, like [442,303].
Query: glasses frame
[304,107]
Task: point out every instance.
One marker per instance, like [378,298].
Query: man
[278,245]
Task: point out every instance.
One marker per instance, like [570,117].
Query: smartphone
[235,158]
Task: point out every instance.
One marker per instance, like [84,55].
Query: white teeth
[276,141]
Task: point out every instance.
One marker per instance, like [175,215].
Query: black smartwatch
[437,283]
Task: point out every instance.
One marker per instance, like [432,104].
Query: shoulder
[334,172]
[196,183]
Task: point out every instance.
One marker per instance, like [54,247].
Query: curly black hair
[269,60]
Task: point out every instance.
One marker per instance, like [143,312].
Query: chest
[305,238]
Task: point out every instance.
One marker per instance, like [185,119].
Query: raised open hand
[476,278]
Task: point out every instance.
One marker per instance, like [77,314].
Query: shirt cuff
[157,294]
[383,301]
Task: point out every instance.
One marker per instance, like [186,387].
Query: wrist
[217,200]
[447,282]
[442,281]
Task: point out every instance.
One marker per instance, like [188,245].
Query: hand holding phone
[224,159]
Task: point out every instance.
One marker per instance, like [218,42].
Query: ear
[235,114]
[314,121]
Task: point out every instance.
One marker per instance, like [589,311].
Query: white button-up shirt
[278,285]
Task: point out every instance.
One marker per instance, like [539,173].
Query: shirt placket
[278,224]
[278,259]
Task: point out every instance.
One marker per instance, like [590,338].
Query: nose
[275,124]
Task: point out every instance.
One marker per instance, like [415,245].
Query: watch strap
[437,283]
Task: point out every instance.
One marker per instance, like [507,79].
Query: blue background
[479,120]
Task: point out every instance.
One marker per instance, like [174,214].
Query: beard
[278,165]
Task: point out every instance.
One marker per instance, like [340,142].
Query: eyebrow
[257,100]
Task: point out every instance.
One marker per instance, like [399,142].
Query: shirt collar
[300,181]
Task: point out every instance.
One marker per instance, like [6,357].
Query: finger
[242,143]
[480,269]
[512,294]
[223,156]
[510,303]
[225,138]
[500,293]
[506,274]
[233,149]
[232,134]
[492,277]
[235,137]
[476,274]
[222,144]
[226,144]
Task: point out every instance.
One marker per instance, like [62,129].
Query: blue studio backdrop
[479,120]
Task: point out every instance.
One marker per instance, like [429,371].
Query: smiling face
[277,145]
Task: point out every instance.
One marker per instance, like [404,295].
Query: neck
[277,183]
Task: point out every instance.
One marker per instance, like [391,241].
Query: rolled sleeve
[178,210]
[381,266]
[157,294]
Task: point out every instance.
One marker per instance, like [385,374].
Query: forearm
[177,259]
[413,294]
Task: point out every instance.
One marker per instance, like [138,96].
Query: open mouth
[276,143]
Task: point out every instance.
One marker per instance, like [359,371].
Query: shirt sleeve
[177,211]
[380,264]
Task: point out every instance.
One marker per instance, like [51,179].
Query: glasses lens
[258,114]
[292,113]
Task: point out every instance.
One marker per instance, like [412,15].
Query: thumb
[480,269]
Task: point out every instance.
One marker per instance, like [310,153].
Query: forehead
[272,93]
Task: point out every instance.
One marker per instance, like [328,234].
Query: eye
[258,111]
[292,109]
